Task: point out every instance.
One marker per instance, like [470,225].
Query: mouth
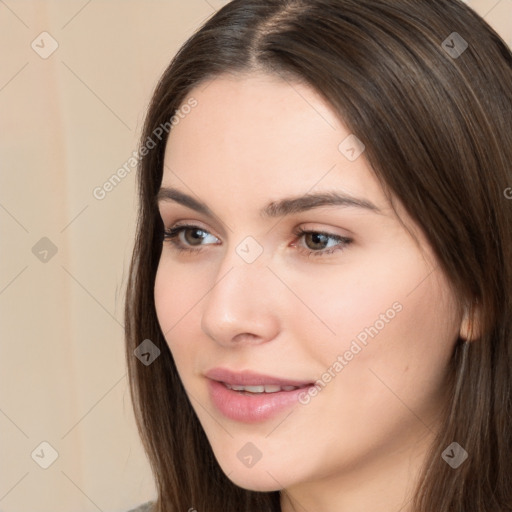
[250,397]
[258,390]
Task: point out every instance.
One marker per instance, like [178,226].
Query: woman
[320,291]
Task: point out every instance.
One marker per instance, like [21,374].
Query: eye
[319,243]
[185,237]
[190,238]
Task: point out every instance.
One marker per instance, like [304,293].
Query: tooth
[254,389]
[266,388]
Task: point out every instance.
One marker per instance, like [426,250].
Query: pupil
[318,239]
[194,236]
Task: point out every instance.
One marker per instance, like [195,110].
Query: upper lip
[249,378]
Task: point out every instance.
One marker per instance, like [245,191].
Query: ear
[470,328]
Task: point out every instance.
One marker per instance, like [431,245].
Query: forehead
[262,136]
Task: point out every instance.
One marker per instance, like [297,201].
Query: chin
[260,482]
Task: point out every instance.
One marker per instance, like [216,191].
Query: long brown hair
[436,119]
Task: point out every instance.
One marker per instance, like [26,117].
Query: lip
[249,378]
[252,408]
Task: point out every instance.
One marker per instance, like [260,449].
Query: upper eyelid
[191,225]
[186,225]
[164,212]
[300,231]
[223,228]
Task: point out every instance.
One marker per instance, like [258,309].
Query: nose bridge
[239,301]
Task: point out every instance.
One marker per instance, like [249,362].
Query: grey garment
[146,507]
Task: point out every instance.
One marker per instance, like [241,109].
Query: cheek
[346,302]
[166,299]
[400,365]
[177,291]
[391,318]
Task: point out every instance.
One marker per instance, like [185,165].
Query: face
[286,270]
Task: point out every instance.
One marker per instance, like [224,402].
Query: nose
[242,306]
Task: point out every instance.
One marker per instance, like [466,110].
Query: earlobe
[470,325]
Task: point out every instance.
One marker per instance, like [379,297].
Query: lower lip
[251,408]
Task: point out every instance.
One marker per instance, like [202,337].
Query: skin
[359,444]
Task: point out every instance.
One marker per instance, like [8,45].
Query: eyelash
[172,234]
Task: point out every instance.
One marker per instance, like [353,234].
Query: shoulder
[146,507]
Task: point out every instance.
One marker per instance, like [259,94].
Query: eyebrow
[273,209]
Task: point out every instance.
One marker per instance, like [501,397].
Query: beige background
[67,123]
